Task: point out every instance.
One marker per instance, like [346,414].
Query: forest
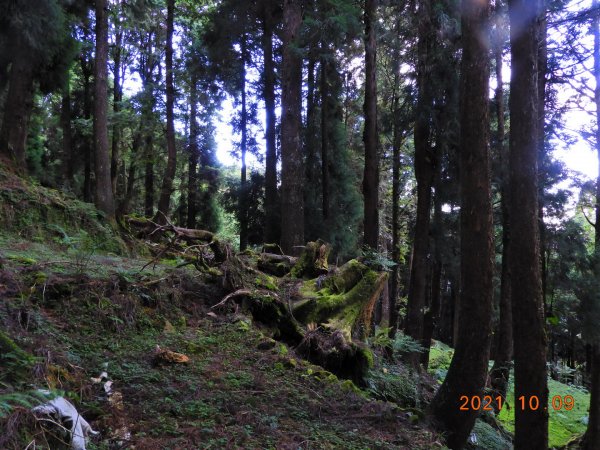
[299,224]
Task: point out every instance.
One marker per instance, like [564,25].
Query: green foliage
[406,344]
[377,260]
[485,437]
[393,385]
[10,400]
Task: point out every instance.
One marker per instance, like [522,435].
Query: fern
[9,401]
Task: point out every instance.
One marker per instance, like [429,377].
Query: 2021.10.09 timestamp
[531,403]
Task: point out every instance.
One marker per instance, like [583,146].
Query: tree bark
[243,200]
[17,107]
[531,427]
[164,200]
[68,161]
[393,307]
[271,228]
[117,98]
[192,210]
[503,354]
[292,170]
[431,316]
[424,171]
[324,133]
[468,369]
[371,169]
[104,194]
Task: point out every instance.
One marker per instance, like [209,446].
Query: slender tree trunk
[164,200]
[312,191]
[531,427]
[500,372]
[149,174]
[468,369]
[424,171]
[117,98]
[325,115]
[393,307]
[68,160]
[591,440]
[271,228]
[431,316]
[542,68]
[104,194]
[192,211]
[370,138]
[125,205]
[292,170]
[87,144]
[243,200]
[17,107]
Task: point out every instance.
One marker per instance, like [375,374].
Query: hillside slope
[73,304]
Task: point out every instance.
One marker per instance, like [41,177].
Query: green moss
[46,215]
[347,277]
[340,311]
[266,282]
[22,260]
[563,425]
[488,438]
[312,261]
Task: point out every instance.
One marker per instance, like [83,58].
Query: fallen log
[278,265]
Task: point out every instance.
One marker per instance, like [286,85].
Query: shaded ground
[78,315]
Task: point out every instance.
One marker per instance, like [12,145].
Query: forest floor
[79,316]
[77,299]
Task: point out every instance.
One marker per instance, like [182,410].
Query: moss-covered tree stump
[343,301]
[312,261]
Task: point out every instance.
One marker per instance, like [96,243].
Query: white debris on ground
[66,414]
[115,400]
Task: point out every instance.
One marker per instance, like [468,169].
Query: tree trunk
[164,200]
[86,72]
[468,369]
[531,427]
[104,194]
[292,171]
[243,200]
[393,307]
[591,440]
[17,107]
[431,316]
[125,205]
[271,213]
[500,372]
[192,211]
[370,138]
[117,98]
[542,68]
[68,160]
[424,171]
[324,133]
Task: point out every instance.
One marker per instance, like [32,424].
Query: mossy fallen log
[343,301]
[175,236]
[278,265]
[326,317]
